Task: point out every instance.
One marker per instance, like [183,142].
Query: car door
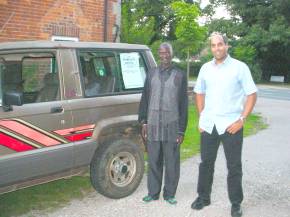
[112,83]
[32,144]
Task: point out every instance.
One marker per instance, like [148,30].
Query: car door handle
[56,110]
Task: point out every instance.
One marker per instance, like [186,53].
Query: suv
[67,105]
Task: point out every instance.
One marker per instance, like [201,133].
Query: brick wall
[40,20]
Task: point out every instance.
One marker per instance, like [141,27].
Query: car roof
[68,44]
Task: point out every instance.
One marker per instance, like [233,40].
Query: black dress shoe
[236,210]
[199,203]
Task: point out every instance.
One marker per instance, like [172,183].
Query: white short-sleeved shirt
[225,86]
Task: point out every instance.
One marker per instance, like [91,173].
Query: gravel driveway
[266,180]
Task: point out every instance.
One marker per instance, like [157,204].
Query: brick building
[83,20]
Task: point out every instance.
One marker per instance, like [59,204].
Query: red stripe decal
[13,143]
[78,137]
[74,129]
[29,133]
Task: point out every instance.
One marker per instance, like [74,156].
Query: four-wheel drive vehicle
[67,105]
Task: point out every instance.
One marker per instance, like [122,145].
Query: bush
[248,55]
[194,67]
[256,72]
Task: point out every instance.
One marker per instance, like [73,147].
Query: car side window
[133,70]
[41,77]
[35,75]
[98,72]
[106,72]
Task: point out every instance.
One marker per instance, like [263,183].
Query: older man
[163,114]
[221,87]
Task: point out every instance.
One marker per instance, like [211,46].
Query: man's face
[164,55]
[218,48]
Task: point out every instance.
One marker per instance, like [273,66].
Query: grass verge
[190,146]
[47,196]
[59,193]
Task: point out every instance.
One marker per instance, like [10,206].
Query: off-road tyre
[117,168]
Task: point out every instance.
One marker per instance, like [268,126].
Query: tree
[151,22]
[189,34]
[263,25]
[134,27]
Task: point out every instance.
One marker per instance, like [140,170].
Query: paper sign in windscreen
[131,72]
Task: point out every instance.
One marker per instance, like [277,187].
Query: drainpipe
[105,20]
[117,30]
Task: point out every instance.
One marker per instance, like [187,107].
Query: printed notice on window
[131,72]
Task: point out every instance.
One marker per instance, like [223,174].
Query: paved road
[266,180]
[274,93]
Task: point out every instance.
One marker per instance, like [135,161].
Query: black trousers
[159,152]
[232,144]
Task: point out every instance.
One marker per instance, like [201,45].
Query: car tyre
[117,168]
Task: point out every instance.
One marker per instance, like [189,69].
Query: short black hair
[223,36]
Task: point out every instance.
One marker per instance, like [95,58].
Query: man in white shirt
[225,96]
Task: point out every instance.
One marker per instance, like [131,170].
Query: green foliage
[256,72]
[248,55]
[253,124]
[193,70]
[134,29]
[188,32]
[190,145]
[263,25]
[151,22]
[229,27]
[51,195]
[154,14]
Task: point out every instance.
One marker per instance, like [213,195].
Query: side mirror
[12,98]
